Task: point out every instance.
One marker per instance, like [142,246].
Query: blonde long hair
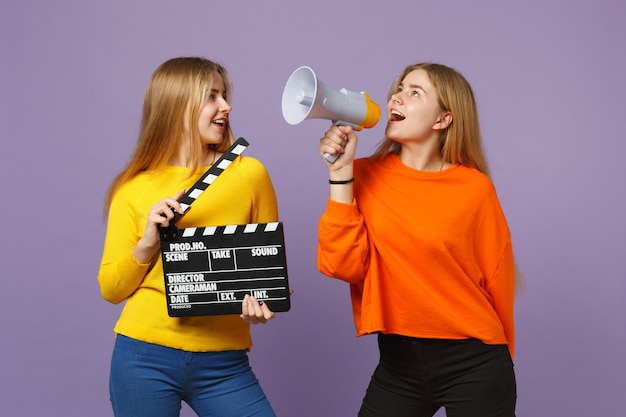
[176,85]
[461,142]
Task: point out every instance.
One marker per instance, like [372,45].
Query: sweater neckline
[395,161]
[174,169]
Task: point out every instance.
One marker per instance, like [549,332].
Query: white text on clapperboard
[181,285]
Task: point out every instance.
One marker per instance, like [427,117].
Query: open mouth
[396,115]
[219,122]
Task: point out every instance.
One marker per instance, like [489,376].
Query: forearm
[342,193]
[343,247]
[144,252]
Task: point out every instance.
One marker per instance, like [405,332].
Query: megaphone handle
[331,158]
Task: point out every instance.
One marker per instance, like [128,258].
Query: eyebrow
[419,87]
[216,91]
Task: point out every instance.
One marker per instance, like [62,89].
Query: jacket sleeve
[343,248]
[501,287]
[120,274]
[495,256]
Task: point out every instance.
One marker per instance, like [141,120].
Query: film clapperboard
[208,270]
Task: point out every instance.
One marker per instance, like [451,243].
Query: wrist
[341,182]
[342,174]
[144,252]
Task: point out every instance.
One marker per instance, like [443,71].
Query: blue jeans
[151,380]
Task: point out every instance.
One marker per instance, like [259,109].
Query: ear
[443,121]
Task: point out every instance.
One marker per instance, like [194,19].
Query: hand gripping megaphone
[305,97]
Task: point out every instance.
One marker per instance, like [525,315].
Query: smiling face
[414,112]
[213,115]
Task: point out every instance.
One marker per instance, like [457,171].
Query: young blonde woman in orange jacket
[418,232]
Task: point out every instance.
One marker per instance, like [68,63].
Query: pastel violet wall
[548,76]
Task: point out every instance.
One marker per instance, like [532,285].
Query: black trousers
[415,377]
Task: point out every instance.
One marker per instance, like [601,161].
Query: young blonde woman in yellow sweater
[417,231]
[159,361]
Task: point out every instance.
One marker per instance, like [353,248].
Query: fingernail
[260,302]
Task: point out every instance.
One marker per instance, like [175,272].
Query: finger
[255,307]
[337,135]
[175,204]
[179,194]
[267,313]
[332,144]
[172,206]
[345,130]
[244,308]
[169,205]
[262,310]
[159,216]
[163,215]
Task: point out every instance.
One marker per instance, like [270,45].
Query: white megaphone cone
[305,97]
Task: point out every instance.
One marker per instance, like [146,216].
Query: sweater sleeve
[343,248]
[501,287]
[495,256]
[265,206]
[120,274]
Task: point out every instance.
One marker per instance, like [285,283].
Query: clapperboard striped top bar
[228,230]
[211,175]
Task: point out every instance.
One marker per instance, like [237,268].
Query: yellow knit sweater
[242,194]
[427,254]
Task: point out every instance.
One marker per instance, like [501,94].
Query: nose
[225,106]
[395,97]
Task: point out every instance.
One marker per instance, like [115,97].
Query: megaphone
[305,97]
